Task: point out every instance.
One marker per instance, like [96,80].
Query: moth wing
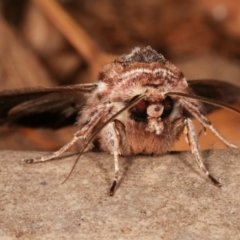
[214,89]
[52,107]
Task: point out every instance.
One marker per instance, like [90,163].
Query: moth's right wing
[220,91]
[52,107]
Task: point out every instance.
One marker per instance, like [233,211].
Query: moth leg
[81,134]
[219,136]
[203,130]
[194,110]
[193,142]
[56,153]
[114,149]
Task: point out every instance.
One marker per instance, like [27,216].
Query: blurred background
[62,42]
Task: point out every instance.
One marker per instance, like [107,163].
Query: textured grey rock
[164,197]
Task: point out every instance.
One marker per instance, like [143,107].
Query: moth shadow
[191,163]
[106,172]
[127,163]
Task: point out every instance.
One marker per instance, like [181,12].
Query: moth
[141,104]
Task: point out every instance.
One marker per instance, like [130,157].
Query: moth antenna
[131,104]
[205,100]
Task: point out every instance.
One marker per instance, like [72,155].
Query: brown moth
[141,104]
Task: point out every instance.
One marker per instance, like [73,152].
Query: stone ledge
[163,197]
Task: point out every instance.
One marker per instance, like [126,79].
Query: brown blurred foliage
[175,28]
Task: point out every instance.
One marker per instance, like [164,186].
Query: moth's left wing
[52,107]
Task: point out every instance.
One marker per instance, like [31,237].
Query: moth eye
[167,107]
[141,106]
[139,111]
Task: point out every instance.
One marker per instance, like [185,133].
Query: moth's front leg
[83,133]
[57,153]
[113,148]
[193,142]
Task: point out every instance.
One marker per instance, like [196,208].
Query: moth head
[145,109]
[156,114]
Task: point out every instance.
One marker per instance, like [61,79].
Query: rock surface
[162,197]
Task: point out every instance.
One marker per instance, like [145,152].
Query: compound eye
[141,106]
[167,107]
[139,111]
